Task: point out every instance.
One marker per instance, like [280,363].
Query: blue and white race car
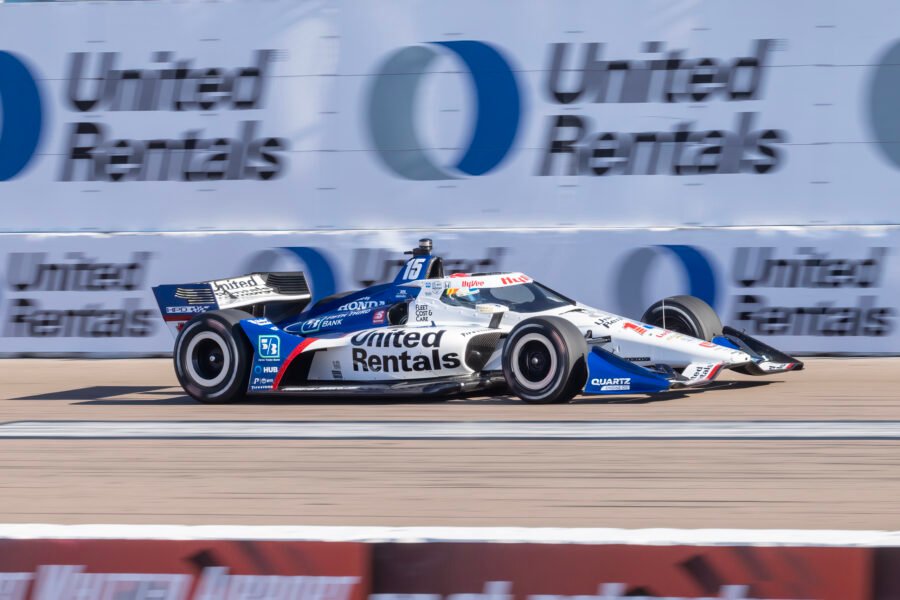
[427,333]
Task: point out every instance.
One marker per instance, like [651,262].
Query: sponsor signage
[182,570]
[828,292]
[445,571]
[582,121]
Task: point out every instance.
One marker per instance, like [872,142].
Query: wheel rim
[534,361]
[208,359]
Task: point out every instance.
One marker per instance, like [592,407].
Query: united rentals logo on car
[404,361]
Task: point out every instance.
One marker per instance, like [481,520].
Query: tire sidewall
[231,387]
[656,319]
[702,318]
[532,330]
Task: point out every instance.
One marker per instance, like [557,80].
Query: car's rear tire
[545,360]
[212,357]
[685,314]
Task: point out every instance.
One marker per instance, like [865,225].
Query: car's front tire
[212,357]
[545,360]
[685,314]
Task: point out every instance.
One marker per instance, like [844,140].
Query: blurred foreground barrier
[347,563]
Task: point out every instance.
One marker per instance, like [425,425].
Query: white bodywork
[433,341]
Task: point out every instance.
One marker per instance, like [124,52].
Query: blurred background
[745,153]
[620,151]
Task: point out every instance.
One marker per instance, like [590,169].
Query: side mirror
[496,310]
[489,308]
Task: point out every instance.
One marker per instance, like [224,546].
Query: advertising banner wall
[247,569]
[804,290]
[347,114]
[609,572]
[41,569]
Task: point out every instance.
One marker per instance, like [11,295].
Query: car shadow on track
[149,395]
[104,395]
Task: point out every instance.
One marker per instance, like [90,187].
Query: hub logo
[635,269]
[21,116]
[391,110]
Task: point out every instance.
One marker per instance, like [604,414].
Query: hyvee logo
[574,147]
[22,115]
[402,362]
[34,279]
[392,110]
[96,84]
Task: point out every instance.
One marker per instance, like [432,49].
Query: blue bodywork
[609,374]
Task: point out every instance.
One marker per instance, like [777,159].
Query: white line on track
[546,535]
[452,430]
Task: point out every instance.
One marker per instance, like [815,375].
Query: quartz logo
[392,103]
[22,115]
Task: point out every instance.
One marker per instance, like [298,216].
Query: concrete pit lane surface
[117,441]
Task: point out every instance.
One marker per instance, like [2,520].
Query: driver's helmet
[464,294]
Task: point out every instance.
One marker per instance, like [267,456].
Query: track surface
[773,483]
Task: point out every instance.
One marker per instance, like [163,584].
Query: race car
[427,333]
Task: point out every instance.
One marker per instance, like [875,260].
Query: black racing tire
[213,357]
[545,360]
[685,314]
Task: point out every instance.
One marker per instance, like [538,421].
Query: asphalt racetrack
[116,441]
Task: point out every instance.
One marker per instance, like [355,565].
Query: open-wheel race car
[427,333]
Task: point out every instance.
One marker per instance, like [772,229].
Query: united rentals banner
[304,115]
[804,290]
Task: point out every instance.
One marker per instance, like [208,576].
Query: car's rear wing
[257,293]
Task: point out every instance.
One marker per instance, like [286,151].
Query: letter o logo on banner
[392,102]
[632,279]
[22,116]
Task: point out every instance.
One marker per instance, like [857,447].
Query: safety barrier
[346,563]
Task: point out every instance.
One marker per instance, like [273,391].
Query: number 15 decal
[413,269]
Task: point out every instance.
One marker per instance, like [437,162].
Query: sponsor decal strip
[294,354]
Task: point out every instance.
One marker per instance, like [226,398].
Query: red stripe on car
[294,354]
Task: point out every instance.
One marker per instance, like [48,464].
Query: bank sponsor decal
[269,347]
